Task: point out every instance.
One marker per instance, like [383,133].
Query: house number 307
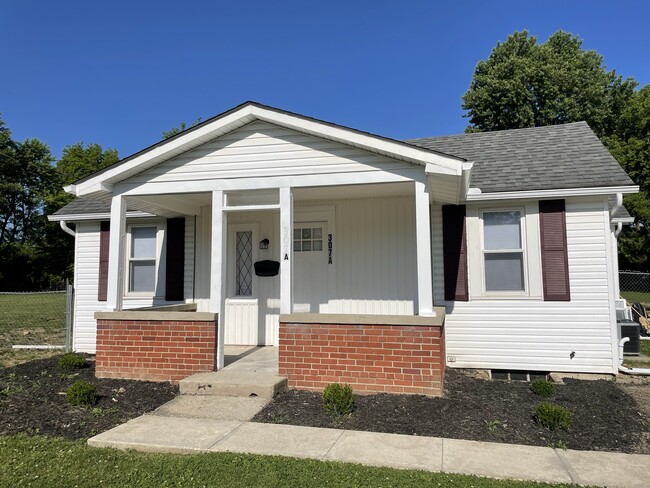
[329,248]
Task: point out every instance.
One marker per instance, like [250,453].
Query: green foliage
[543,388]
[177,130]
[527,84]
[42,461]
[81,393]
[338,399]
[71,361]
[492,425]
[552,416]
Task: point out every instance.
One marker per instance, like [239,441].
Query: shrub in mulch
[552,415]
[33,399]
[338,399]
[604,416]
[543,388]
[71,361]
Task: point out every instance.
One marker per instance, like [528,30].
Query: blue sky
[119,73]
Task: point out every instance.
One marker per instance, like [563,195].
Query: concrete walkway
[214,422]
[164,433]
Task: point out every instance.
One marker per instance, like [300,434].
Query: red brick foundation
[155,350]
[371,357]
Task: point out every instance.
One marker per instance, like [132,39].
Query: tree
[630,145]
[526,84]
[177,130]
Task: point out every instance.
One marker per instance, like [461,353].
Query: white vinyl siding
[374,257]
[86,279]
[528,333]
[261,150]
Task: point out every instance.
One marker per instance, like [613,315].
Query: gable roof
[539,158]
[102,181]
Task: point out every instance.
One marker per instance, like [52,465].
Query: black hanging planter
[267,268]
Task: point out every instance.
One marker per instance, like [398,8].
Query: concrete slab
[212,407]
[280,440]
[503,461]
[151,433]
[392,450]
[610,469]
[255,360]
[232,382]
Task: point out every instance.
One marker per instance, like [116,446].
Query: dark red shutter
[555,262]
[175,260]
[104,240]
[454,242]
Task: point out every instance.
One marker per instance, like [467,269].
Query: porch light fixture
[264,244]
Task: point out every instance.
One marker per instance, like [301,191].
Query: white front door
[310,275]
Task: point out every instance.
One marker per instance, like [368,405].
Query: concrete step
[234,383]
[212,407]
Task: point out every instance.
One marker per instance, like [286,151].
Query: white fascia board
[95,216]
[161,152]
[103,182]
[568,192]
[366,141]
[623,220]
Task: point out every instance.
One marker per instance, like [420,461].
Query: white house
[512,232]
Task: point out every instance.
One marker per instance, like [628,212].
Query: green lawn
[637,296]
[38,461]
[32,318]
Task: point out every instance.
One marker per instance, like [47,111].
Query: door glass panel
[244,264]
[318,245]
[318,233]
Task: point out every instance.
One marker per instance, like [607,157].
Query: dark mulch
[605,418]
[33,401]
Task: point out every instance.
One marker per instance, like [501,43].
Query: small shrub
[552,416]
[338,399]
[543,388]
[81,393]
[71,361]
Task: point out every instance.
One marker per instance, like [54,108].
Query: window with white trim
[306,239]
[503,251]
[143,253]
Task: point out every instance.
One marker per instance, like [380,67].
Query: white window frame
[159,265]
[531,248]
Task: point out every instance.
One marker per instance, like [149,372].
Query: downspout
[66,229]
[617,206]
[619,228]
[625,369]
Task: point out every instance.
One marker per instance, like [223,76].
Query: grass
[637,296]
[39,461]
[30,318]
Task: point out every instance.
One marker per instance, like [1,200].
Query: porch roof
[101,182]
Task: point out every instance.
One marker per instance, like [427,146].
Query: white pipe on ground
[625,369]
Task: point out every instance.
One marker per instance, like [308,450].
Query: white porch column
[286,249]
[218,269]
[423,249]
[116,262]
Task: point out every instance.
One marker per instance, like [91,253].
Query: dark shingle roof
[84,205]
[539,158]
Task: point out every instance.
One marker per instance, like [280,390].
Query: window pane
[296,246]
[502,230]
[306,233]
[504,271]
[318,245]
[306,245]
[143,276]
[143,242]
[317,233]
[296,233]
[244,264]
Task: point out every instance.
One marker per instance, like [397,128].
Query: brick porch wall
[371,357]
[154,350]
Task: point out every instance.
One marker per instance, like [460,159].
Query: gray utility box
[632,330]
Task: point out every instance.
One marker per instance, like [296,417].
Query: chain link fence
[36,320]
[635,287]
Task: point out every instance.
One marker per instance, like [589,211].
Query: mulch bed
[605,418]
[33,401]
